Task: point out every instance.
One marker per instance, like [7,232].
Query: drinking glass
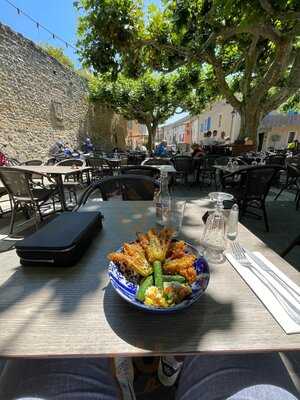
[232,223]
[173,219]
[213,237]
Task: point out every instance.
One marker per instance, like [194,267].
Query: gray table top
[53,169]
[75,312]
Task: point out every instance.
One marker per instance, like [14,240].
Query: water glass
[173,219]
[213,237]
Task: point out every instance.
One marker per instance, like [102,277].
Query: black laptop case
[62,241]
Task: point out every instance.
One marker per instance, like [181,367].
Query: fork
[292,292]
[240,257]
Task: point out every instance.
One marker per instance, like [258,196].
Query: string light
[39,25]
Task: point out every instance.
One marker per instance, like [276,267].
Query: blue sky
[59,16]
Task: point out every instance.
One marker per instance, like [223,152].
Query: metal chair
[73,182]
[252,188]
[292,182]
[206,169]
[276,160]
[99,167]
[183,166]
[72,162]
[24,194]
[32,162]
[145,170]
[125,187]
[3,192]
[157,161]
[295,242]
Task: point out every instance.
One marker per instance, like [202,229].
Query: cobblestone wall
[42,101]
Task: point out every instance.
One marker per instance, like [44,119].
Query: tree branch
[220,76]
[267,6]
[291,87]
[251,59]
[275,71]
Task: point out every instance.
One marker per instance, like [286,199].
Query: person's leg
[235,377]
[59,379]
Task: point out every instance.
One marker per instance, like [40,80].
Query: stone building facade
[42,101]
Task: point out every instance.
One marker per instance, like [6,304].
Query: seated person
[209,377]
[88,146]
[68,152]
[56,148]
[248,141]
[161,150]
[197,151]
[222,138]
[215,138]
[207,140]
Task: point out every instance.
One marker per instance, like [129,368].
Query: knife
[260,263]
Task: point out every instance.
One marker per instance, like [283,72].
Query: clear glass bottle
[232,223]
[163,200]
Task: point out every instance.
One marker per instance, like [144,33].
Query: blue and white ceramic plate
[127,289]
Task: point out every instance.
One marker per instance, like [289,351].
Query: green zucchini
[158,277]
[145,284]
[174,278]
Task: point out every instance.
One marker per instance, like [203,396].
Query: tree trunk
[250,119]
[151,137]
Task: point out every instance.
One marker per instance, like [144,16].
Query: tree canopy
[58,54]
[150,99]
[248,51]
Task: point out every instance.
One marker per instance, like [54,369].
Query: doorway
[261,137]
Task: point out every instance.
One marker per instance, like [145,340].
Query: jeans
[214,377]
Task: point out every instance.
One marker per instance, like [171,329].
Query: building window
[201,127]
[220,121]
[129,124]
[208,123]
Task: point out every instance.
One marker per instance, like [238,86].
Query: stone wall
[42,101]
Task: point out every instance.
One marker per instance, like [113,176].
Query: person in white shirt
[207,140]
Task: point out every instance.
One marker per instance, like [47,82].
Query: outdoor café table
[170,169]
[57,172]
[71,312]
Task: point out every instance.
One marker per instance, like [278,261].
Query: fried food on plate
[154,245]
[134,258]
[183,266]
[177,250]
